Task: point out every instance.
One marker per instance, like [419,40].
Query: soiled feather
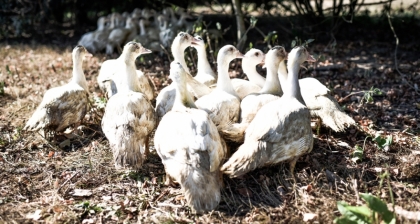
[191,151]
[323,105]
[61,107]
[285,137]
[130,119]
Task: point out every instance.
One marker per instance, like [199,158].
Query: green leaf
[2,88]
[253,21]
[293,43]
[354,214]
[357,153]
[377,205]
[219,26]
[382,142]
[8,69]
[250,45]
[309,41]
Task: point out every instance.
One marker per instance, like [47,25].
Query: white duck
[190,147]
[65,105]
[110,75]
[88,39]
[205,73]
[129,117]
[243,87]
[223,103]
[281,130]
[147,39]
[166,96]
[253,102]
[119,36]
[321,104]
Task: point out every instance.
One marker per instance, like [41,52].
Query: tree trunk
[239,23]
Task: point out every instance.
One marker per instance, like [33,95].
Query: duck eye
[231,49]
[257,54]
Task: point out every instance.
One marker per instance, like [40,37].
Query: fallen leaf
[106,198]
[58,209]
[309,216]
[82,192]
[35,216]
[377,169]
[88,221]
[50,154]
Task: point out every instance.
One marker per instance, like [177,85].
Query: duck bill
[194,42]
[239,55]
[262,63]
[310,58]
[145,51]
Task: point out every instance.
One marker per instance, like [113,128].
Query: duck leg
[292,165]
[169,181]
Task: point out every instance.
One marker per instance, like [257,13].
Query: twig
[166,52]
[65,182]
[397,42]
[351,94]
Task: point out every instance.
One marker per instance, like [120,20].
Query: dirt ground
[74,180]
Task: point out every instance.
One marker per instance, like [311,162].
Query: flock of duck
[147,26]
[194,117]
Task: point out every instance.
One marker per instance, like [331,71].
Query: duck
[110,75]
[88,39]
[281,130]
[205,73]
[169,29]
[322,105]
[243,87]
[129,117]
[147,39]
[100,38]
[250,105]
[223,103]
[166,96]
[65,105]
[121,35]
[190,147]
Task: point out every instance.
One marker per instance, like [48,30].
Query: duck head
[299,55]
[275,55]
[133,50]
[176,72]
[198,42]
[253,57]
[80,53]
[228,53]
[182,41]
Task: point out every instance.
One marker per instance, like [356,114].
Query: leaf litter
[74,179]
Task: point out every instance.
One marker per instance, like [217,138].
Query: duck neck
[179,57]
[101,24]
[203,63]
[282,74]
[223,79]
[272,83]
[142,28]
[252,74]
[129,74]
[292,82]
[182,98]
[78,75]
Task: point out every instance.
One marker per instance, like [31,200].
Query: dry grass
[41,181]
